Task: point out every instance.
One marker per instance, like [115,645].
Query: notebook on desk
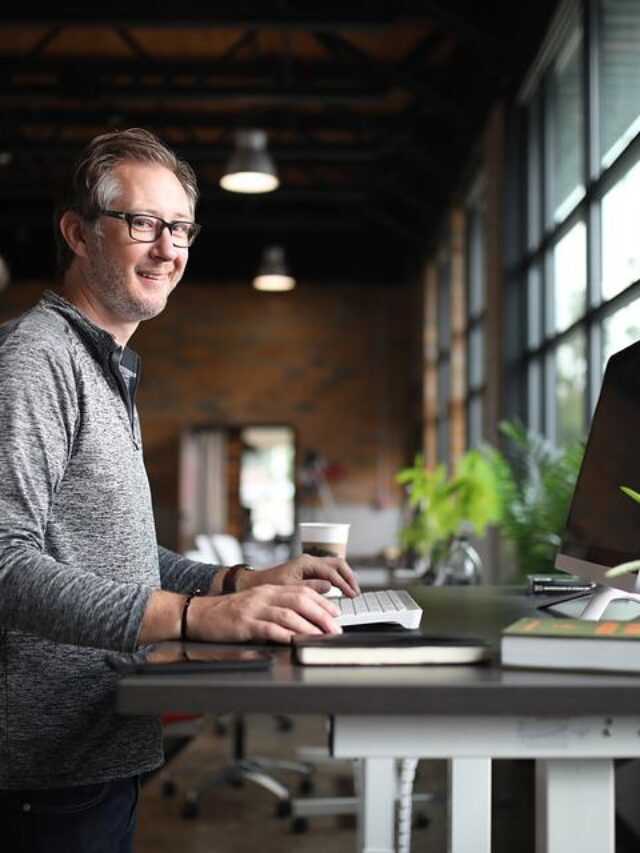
[382,606]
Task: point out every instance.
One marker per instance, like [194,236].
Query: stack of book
[546,643]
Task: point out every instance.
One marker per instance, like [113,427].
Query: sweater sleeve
[38,594]
[180,574]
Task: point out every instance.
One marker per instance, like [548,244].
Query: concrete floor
[234,820]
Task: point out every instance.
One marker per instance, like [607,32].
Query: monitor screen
[603,525]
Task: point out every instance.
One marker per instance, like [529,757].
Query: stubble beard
[111,283]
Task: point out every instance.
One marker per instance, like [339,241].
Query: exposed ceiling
[371,109]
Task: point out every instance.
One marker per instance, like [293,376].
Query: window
[569,279]
[444,356]
[569,380]
[620,328]
[576,277]
[619,56]
[621,234]
[565,148]
[475,308]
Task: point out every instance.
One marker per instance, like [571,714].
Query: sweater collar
[99,340]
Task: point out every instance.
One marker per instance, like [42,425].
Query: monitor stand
[604,601]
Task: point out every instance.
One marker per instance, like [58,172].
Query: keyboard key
[383,606]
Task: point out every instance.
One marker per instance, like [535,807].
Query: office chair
[251,769]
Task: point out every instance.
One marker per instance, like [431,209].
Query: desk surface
[466,690]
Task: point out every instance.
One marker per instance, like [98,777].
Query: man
[80,568]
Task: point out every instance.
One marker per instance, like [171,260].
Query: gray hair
[93,184]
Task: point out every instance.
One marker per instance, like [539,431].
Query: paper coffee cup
[324,539]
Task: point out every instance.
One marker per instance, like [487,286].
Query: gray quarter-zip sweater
[78,552]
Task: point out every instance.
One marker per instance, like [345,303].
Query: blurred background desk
[572,724]
[372,577]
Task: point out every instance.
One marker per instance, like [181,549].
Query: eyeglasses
[146,228]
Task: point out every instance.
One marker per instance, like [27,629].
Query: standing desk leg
[575,806]
[377,788]
[469,805]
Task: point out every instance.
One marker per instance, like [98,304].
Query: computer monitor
[603,525]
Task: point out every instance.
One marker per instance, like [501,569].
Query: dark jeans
[96,818]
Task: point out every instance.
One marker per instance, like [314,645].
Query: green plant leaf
[631,492]
[623,569]
[442,504]
[535,482]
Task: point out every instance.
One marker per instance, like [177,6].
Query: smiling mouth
[153,276]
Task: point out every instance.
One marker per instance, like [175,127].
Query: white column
[377,787]
[469,805]
[575,806]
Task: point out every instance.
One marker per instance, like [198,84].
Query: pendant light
[250,168]
[273,275]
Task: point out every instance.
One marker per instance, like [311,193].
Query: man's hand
[318,573]
[271,604]
[266,612]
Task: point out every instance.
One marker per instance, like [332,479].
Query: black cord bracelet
[185,608]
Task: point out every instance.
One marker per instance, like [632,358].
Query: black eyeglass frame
[161,224]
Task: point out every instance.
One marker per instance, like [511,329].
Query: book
[375,648]
[545,643]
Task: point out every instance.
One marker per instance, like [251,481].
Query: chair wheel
[283,808]
[299,825]
[306,785]
[190,810]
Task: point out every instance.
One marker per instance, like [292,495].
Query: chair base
[249,770]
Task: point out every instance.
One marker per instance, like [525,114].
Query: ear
[73,228]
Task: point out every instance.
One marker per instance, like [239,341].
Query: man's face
[131,280]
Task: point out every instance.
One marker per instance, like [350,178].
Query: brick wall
[336,362]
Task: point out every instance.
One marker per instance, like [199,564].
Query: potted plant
[444,507]
[535,482]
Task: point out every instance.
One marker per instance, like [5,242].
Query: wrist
[162,617]
[237,578]
[185,633]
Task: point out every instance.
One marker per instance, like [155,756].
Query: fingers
[309,622]
[267,612]
[320,586]
[330,570]
[333,569]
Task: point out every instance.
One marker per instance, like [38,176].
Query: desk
[572,724]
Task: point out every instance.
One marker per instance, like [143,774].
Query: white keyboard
[389,605]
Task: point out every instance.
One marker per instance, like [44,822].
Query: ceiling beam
[205,152]
[461,26]
[387,76]
[187,92]
[277,117]
[374,14]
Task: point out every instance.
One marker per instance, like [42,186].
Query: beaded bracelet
[185,608]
